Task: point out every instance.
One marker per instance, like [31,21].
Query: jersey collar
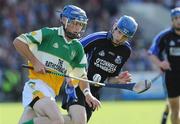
[62,33]
[109,35]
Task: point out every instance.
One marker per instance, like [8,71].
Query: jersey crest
[172,43]
[102,53]
[55,45]
[118,60]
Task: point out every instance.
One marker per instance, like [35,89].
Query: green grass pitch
[118,112]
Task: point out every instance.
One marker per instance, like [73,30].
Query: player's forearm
[155,60]
[24,50]
[84,87]
[112,80]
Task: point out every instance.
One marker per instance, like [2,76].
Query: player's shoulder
[50,30]
[76,43]
[127,45]
[165,32]
[94,37]
[100,34]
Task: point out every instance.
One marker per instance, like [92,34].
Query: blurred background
[20,16]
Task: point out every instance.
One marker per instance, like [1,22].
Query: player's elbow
[16,42]
[79,119]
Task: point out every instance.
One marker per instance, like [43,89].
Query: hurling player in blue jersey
[168,42]
[106,52]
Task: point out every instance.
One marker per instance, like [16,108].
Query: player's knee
[175,114]
[79,121]
[174,110]
[78,114]
[58,121]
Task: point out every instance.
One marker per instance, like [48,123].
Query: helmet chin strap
[71,35]
[177,31]
[112,38]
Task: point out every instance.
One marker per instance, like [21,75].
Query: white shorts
[33,86]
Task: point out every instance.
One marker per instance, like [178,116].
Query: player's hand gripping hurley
[137,87]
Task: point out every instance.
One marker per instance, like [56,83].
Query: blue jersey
[167,42]
[104,58]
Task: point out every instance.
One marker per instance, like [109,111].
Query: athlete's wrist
[86,91]
[112,80]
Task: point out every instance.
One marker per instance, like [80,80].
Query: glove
[71,93]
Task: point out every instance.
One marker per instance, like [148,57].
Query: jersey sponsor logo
[102,53]
[172,43]
[105,65]
[55,45]
[174,51]
[118,60]
[59,66]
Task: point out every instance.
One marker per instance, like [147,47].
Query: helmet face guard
[175,12]
[127,25]
[74,13]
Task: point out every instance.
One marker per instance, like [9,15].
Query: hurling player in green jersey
[56,49]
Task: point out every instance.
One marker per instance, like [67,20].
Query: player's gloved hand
[71,93]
